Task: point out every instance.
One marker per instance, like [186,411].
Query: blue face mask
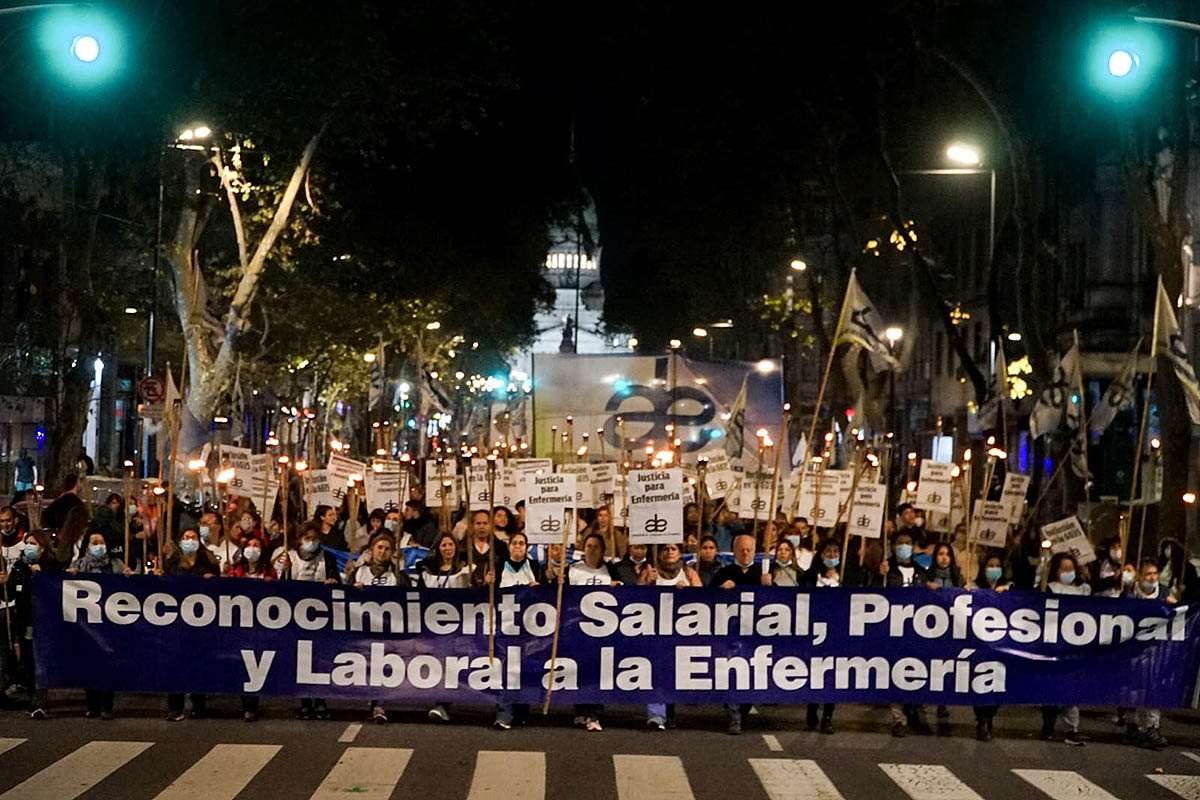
[31,553]
[189,546]
[831,563]
[993,573]
[97,550]
[205,533]
[903,552]
[923,560]
[795,540]
[1066,578]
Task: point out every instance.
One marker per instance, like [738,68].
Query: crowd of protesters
[489,548]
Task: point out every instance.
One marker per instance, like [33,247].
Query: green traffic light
[1121,63]
[85,48]
[82,46]
[1122,60]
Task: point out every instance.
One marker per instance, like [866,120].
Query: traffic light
[82,46]
[1123,59]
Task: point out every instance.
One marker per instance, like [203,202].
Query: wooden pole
[849,513]
[491,480]
[757,485]
[125,511]
[562,570]
[783,425]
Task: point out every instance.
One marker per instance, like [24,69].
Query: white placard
[481,496]
[820,489]
[433,482]
[933,491]
[320,491]
[791,493]
[602,475]
[548,498]
[583,482]
[655,506]
[720,480]
[989,528]
[845,479]
[1016,486]
[532,464]
[756,494]
[1067,536]
[383,487]
[238,458]
[939,521]
[340,469]
[865,517]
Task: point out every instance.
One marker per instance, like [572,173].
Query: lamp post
[970,162]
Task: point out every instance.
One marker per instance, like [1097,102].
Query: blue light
[1023,455]
[623,387]
[40,433]
[1047,466]
[716,433]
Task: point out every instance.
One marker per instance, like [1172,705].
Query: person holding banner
[784,569]
[634,569]
[1065,578]
[444,568]
[990,578]
[188,559]
[419,525]
[96,559]
[480,545]
[742,572]
[727,528]
[1110,569]
[251,564]
[518,571]
[220,543]
[671,569]
[823,575]
[378,569]
[1144,731]
[706,564]
[310,561]
[901,572]
[35,557]
[592,571]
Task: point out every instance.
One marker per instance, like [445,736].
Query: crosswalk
[225,770]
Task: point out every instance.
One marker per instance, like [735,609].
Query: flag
[375,391]
[434,398]
[735,426]
[1117,396]
[170,418]
[1047,413]
[1169,344]
[860,324]
[989,415]
[1075,413]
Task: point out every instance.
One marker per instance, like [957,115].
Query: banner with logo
[865,516]
[548,499]
[441,481]
[626,645]
[933,491]
[651,392]
[1067,536]
[655,506]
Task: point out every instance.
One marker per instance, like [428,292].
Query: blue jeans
[656,711]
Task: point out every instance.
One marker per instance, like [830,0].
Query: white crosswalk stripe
[929,782]
[9,744]
[651,778]
[1063,784]
[367,772]
[794,779]
[76,772]
[221,773]
[1186,786]
[516,775]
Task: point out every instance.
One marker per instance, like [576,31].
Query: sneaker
[1072,738]
[38,713]
[106,715]
[499,725]
[593,725]
[656,724]
[735,726]
[321,710]
[378,715]
[1154,739]
[982,733]
[89,714]
[827,725]
[249,716]
[306,712]
[439,713]
[899,730]
[579,722]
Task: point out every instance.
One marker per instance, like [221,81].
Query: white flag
[1169,343]
[860,323]
[735,427]
[1048,411]
[1117,396]
[1074,413]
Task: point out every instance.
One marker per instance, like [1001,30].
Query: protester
[443,568]
[378,568]
[220,543]
[518,571]
[1065,578]
[742,572]
[189,559]
[1176,576]
[479,548]
[615,542]
[670,569]
[991,578]
[68,501]
[784,570]
[251,564]
[804,543]
[630,569]
[899,572]
[419,524]
[726,528]
[331,535]
[823,574]
[707,564]
[12,538]
[97,560]
[592,571]
[1109,568]
[35,557]
[1144,731]
[310,561]
[943,573]
[503,523]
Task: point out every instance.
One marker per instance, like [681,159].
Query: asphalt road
[140,755]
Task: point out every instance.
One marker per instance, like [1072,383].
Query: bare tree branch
[234,211]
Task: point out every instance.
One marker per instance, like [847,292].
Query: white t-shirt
[906,574]
[580,574]
[312,570]
[1062,588]
[680,579]
[362,574]
[519,577]
[823,581]
[804,559]
[443,580]
[12,552]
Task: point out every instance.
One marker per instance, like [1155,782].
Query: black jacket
[894,578]
[422,529]
[628,572]
[732,572]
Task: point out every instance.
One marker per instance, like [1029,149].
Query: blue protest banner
[619,644]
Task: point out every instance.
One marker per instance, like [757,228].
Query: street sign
[152,389]
[151,411]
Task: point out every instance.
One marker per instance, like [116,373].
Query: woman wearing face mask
[96,559]
[669,570]
[377,568]
[943,573]
[1144,731]
[823,574]
[1176,576]
[903,571]
[311,562]
[189,558]
[35,557]
[1064,578]
[249,524]
[219,543]
[784,570]
[517,572]
[804,544]
[706,559]
[990,578]
[253,564]
[1109,567]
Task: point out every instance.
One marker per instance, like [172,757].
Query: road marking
[365,772]
[794,779]
[772,742]
[9,744]
[651,778]
[1061,784]
[350,733]
[1192,756]
[929,782]
[1186,786]
[221,773]
[78,771]
[519,775]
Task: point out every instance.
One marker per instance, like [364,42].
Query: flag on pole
[860,323]
[1117,396]
[735,425]
[375,391]
[990,412]
[169,420]
[1047,414]
[1169,344]
[1075,415]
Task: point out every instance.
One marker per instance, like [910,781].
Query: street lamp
[85,48]
[964,154]
[1122,62]
[798,265]
[970,161]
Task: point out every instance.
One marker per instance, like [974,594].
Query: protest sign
[383,485]
[756,494]
[865,518]
[322,494]
[548,498]
[820,489]
[655,506]
[1015,487]
[583,482]
[602,481]
[989,528]
[436,475]
[238,458]
[934,488]
[1067,536]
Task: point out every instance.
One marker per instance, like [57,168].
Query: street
[139,755]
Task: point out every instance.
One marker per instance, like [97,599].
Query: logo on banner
[660,415]
[656,524]
[550,525]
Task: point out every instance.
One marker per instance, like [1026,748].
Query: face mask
[390,524]
[795,540]
[919,522]
[205,533]
[1127,578]
[783,563]
[309,547]
[133,511]
[1066,578]
[252,554]
[923,560]
[1115,554]
[97,550]
[1167,551]
[246,524]
[993,573]
[189,546]
[31,553]
[1148,587]
[831,563]
[904,552]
